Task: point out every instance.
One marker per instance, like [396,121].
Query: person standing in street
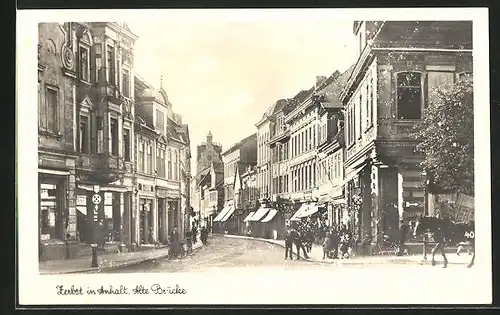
[174,242]
[299,244]
[194,233]
[403,232]
[289,243]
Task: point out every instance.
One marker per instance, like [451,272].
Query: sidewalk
[105,261]
[316,255]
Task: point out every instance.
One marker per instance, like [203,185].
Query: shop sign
[81,200]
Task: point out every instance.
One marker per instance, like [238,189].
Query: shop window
[84,134]
[126,145]
[114,136]
[84,64]
[51,219]
[409,95]
[51,109]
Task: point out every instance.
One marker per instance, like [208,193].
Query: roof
[239,144]
[334,88]
[271,110]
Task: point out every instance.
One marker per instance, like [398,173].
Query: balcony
[103,168]
[395,129]
[282,135]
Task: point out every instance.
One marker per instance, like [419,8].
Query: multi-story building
[86,114]
[247,195]
[57,139]
[236,159]
[161,141]
[208,160]
[264,153]
[400,68]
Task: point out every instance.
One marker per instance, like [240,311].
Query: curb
[393,261]
[117,266]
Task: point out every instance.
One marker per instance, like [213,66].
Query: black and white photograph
[243,156]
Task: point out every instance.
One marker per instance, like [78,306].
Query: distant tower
[209,137]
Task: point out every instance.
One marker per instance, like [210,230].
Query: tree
[446,139]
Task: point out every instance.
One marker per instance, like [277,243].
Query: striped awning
[259,214]
[228,214]
[249,216]
[221,214]
[305,210]
[270,215]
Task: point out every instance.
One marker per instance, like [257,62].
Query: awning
[221,214]
[354,171]
[340,201]
[82,209]
[270,215]
[53,172]
[228,214]
[259,214]
[249,216]
[305,210]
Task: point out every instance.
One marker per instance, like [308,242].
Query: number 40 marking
[469,234]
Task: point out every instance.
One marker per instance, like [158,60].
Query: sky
[221,76]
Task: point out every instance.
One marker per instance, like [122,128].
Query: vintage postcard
[330,156]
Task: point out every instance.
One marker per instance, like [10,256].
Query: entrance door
[161,220]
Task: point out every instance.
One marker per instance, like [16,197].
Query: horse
[444,231]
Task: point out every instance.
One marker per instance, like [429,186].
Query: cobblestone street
[230,252]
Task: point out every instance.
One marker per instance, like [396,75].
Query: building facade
[161,141]
[237,159]
[90,189]
[209,166]
[400,68]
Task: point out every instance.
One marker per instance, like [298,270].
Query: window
[140,162]
[160,162]
[126,83]
[52,104]
[176,165]
[100,134]
[149,160]
[360,121]
[169,164]
[84,64]
[84,135]
[160,120]
[98,62]
[114,136]
[439,81]
[110,74]
[367,103]
[126,144]
[371,89]
[409,95]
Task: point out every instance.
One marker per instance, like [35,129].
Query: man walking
[194,233]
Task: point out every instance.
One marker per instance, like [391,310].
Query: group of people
[338,243]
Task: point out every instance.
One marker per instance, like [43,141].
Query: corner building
[401,65]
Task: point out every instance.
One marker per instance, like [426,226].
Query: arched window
[409,95]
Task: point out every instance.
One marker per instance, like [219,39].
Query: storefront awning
[270,215]
[305,210]
[82,209]
[221,214]
[259,214]
[340,201]
[228,214]
[249,216]
[52,172]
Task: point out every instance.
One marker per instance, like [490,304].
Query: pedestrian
[174,242]
[403,232]
[299,244]
[334,242]
[194,232]
[289,243]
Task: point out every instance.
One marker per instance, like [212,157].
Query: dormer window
[160,120]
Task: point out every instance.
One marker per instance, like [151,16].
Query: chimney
[319,79]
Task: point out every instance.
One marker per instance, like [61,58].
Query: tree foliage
[446,139]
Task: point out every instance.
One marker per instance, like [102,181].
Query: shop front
[54,215]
